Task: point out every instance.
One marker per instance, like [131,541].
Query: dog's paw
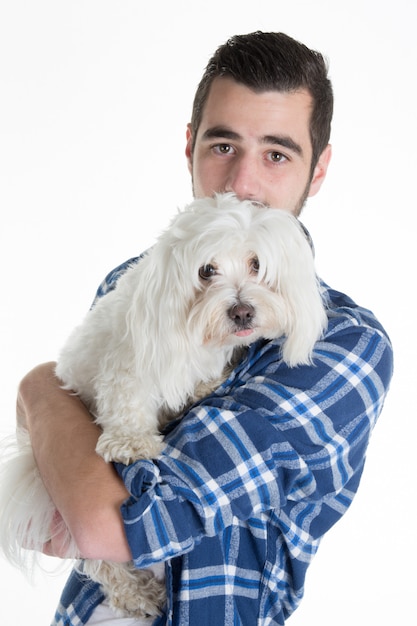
[128,448]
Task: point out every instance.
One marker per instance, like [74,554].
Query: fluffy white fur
[224,274]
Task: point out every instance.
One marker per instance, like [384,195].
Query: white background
[95,97]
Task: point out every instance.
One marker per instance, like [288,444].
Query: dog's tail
[26,510]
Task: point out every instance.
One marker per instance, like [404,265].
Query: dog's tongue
[244,333]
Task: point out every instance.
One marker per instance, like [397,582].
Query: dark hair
[272,61]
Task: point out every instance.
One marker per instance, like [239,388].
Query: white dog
[224,274]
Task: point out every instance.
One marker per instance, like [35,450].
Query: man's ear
[188,148]
[320,170]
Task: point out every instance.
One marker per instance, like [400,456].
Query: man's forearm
[86,491]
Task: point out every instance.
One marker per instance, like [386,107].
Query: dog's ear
[306,323]
[306,312]
[292,258]
[162,296]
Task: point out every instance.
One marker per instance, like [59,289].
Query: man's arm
[85,489]
[288,443]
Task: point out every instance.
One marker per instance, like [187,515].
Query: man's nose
[243,179]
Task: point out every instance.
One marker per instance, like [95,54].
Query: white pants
[104,615]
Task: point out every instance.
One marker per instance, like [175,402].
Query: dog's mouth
[244,333]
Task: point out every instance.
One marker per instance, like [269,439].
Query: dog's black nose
[241,314]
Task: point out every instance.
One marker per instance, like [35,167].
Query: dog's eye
[254,265]
[207,271]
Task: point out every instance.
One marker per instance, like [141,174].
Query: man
[253,477]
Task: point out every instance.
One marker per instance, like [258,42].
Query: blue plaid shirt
[252,478]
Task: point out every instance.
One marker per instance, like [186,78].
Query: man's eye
[277,157]
[223,148]
[206,272]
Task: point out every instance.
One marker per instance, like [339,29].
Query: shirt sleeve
[292,440]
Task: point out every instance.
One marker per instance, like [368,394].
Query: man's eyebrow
[221,132]
[283,141]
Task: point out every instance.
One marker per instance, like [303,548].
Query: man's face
[256,145]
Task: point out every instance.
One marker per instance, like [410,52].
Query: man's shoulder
[355,341]
[110,281]
[344,314]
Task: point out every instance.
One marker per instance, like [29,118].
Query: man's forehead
[233,99]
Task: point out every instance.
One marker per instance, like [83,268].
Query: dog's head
[244,272]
